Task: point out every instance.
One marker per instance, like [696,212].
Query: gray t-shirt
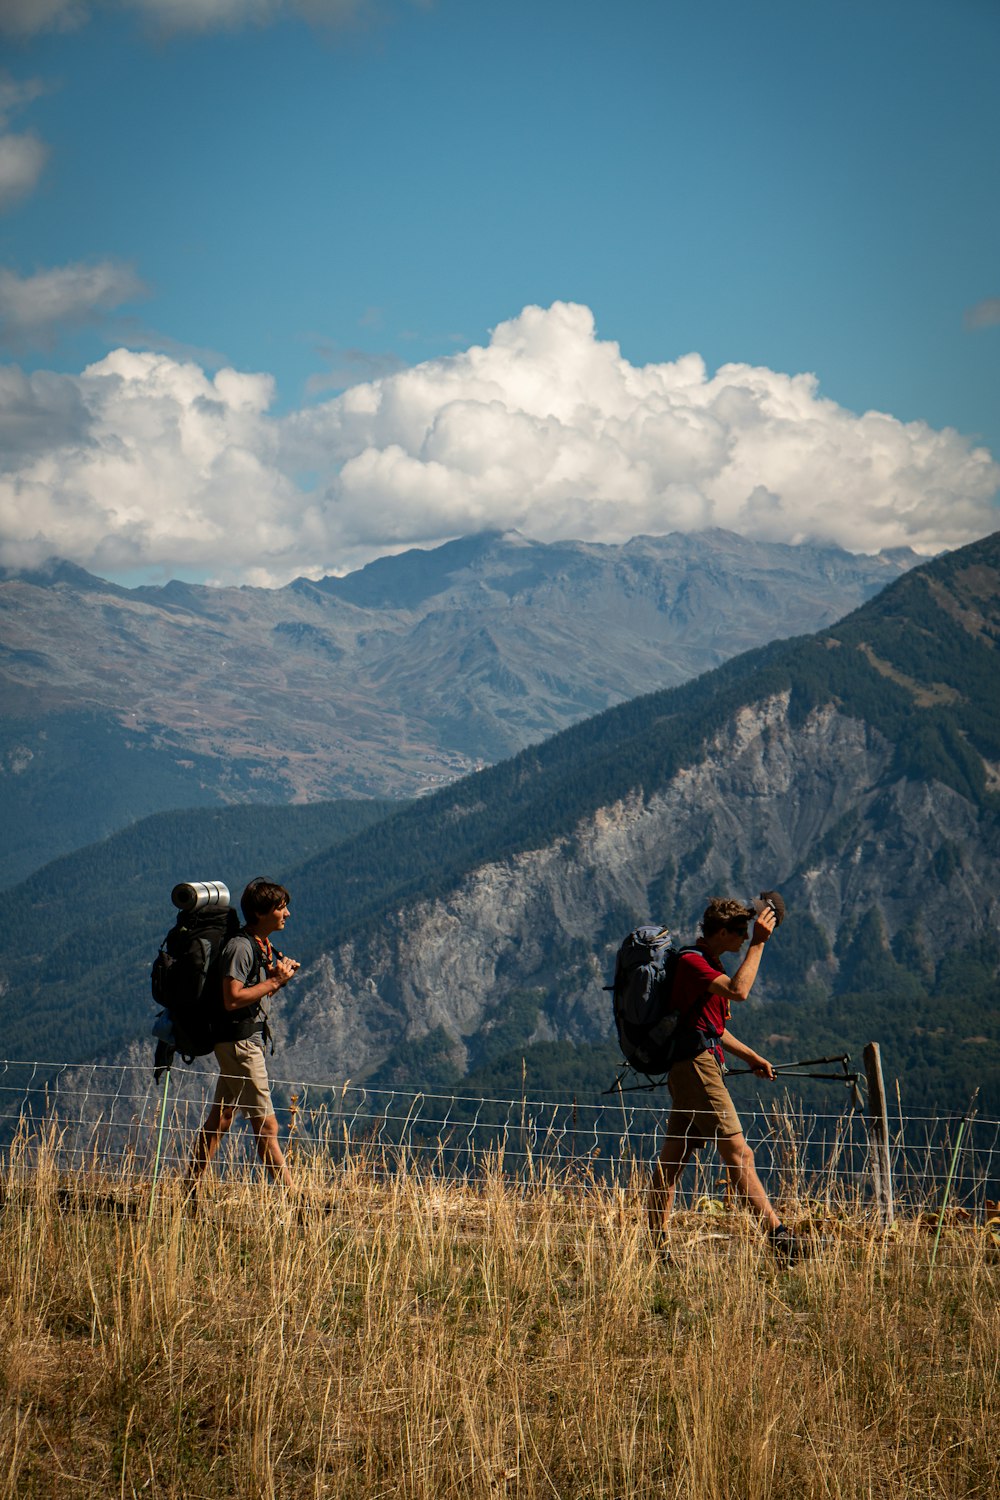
[240,958]
[243,961]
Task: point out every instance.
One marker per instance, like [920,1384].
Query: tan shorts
[702,1109]
[243,1078]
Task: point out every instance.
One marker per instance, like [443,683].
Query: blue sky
[333,201]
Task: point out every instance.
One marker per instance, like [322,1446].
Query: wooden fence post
[878,1134]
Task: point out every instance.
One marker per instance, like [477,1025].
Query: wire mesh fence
[115,1120]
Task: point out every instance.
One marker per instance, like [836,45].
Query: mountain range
[117,703]
[857,769]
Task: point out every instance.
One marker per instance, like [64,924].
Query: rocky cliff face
[805,807]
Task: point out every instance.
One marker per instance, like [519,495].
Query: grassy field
[407,1336]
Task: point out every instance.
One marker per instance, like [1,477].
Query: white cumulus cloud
[32,308]
[22,158]
[147,462]
[142,460]
[550,430]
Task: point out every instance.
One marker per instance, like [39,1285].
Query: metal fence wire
[115,1119]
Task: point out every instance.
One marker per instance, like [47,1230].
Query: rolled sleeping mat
[200,895]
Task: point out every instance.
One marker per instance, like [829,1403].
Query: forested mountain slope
[76,951]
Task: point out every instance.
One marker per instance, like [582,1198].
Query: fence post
[159,1145]
[966,1118]
[878,1134]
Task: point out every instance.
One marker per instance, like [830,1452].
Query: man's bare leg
[743,1176]
[269,1149]
[677,1150]
[216,1124]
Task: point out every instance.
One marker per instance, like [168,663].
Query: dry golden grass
[406,1336]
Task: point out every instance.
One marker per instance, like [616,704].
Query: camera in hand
[774,900]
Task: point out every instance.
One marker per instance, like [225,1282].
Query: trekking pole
[948,1181]
[781,1070]
[159,1143]
[790,1070]
[618,1087]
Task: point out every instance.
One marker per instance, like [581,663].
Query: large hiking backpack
[648,1026]
[184,978]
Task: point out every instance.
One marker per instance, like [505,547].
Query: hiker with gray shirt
[251,971]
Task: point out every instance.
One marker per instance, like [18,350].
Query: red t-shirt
[700,1010]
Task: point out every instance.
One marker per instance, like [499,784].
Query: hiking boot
[788,1249]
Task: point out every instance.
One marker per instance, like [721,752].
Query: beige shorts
[243,1078]
[701,1107]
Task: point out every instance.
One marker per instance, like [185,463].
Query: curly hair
[721,912]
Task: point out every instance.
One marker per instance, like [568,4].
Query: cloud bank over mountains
[146,464]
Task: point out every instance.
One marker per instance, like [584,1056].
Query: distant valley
[390,682]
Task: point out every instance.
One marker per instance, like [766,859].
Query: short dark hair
[261,897]
[721,912]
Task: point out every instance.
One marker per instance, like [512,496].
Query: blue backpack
[648,1026]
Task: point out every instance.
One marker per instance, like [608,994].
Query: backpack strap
[237,1025]
[257,973]
[259,967]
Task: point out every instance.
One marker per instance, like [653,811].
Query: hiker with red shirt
[701,1108]
[252,971]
